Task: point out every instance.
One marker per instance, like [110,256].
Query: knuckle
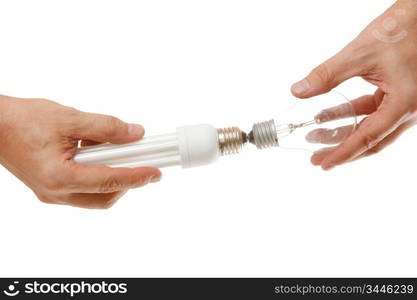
[72,181]
[108,204]
[324,73]
[110,184]
[71,111]
[45,199]
[51,181]
[370,141]
[374,150]
[139,180]
[113,126]
[72,120]
[45,101]
[52,184]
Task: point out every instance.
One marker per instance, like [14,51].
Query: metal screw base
[231,140]
[264,135]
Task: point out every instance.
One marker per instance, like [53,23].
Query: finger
[329,136]
[368,104]
[47,200]
[388,140]
[364,105]
[102,128]
[372,130]
[94,201]
[102,179]
[342,111]
[328,75]
[319,156]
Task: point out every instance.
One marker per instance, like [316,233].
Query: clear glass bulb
[309,124]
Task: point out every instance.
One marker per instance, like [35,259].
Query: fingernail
[322,117]
[314,137]
[316,159]
[300,87]
[135,130]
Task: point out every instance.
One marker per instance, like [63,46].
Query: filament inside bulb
[285,130]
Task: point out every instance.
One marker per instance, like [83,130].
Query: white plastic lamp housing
[189,146]
[198,145]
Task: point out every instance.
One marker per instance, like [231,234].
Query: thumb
[102,128]
[326,76]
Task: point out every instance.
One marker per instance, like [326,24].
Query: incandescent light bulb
[310,124]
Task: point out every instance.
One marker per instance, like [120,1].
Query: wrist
[401,17]
[4,108]
[408,2]
[406,8]
[2,123]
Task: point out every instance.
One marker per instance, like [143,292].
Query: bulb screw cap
[231,140]
[264,135]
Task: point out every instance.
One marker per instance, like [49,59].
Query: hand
[39,139]
[384,54]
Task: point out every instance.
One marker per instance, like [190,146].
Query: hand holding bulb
[385,56]
[39,139]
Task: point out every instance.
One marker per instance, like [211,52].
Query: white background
[227,63]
